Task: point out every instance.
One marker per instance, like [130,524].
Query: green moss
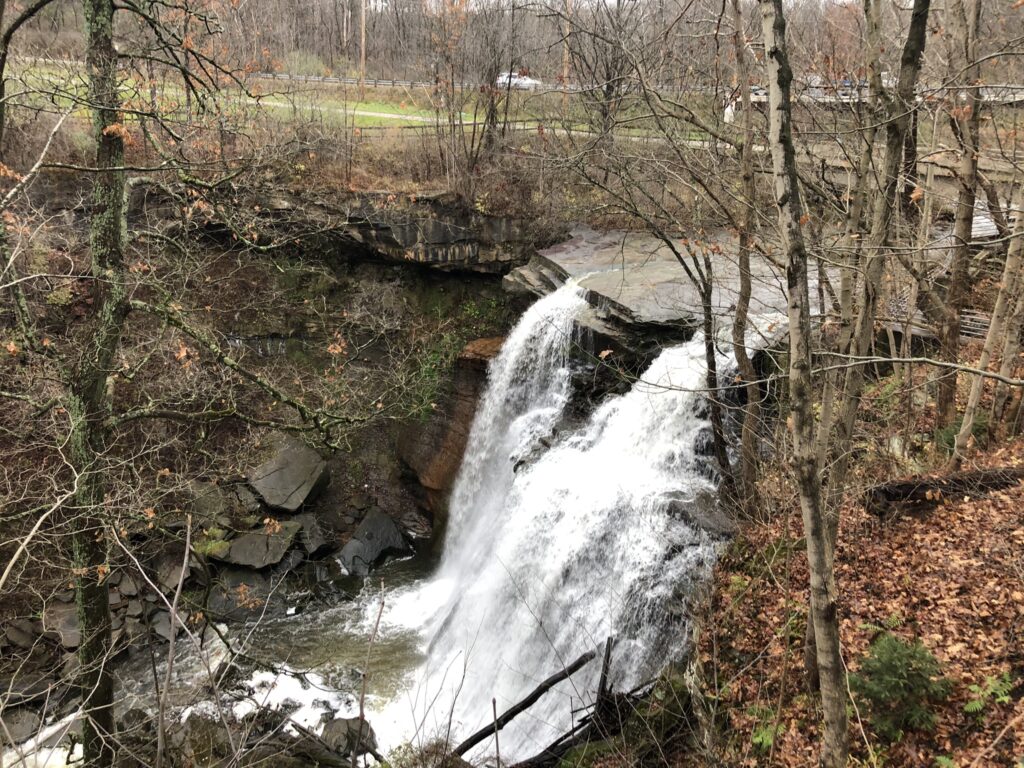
[945,438]
[212,547]
[588,754]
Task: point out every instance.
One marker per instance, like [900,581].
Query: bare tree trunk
[824,613]
[898,117]
[362,49]
[1011,348]
[966,119]
[1009,290]
[910,177]
[752,410]
[89,400]
[566,30]
[851,261]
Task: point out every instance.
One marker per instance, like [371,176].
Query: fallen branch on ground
[920,493]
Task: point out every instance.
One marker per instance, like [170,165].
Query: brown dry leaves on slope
[952,577]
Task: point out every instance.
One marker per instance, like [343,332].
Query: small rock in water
[345,734]
[21,723]
[376,537]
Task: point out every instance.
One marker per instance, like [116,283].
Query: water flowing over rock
[640,295]
[562,534]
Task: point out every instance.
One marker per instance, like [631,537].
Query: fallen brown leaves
[954,578]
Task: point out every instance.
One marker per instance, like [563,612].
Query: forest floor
[952,578]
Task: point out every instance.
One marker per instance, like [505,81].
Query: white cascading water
[560,535]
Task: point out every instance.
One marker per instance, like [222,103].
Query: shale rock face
[434,451]
[293,475]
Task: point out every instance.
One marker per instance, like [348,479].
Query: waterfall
[561,534]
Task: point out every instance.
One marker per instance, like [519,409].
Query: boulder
[345,734]
[209,502]
[238,594]
[264,548]
[62,619]
[21,634]
[375,538]
[231,506]
[316,537]
[293,475]
[169,570]
[128,586]
[19,724]
[160,623]
[204,740]
[360,501]
[247,501]
[26,687]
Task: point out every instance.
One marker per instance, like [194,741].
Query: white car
[517,82]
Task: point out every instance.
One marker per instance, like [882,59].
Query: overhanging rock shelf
[641,296]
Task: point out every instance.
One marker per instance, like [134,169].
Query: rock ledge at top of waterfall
[642,298]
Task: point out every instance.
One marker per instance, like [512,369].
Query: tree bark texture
[824,611]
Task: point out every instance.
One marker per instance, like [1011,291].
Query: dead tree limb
[507,717]
[921,493]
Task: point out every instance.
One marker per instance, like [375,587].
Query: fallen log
[523,705]
[921,493]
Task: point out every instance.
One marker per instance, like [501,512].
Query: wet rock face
[433,450]
[291,477]
[376,537]
[641,297]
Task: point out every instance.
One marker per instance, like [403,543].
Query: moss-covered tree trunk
[90,396]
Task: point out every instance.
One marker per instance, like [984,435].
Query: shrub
[899,682]
[945,438]
[996,690]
